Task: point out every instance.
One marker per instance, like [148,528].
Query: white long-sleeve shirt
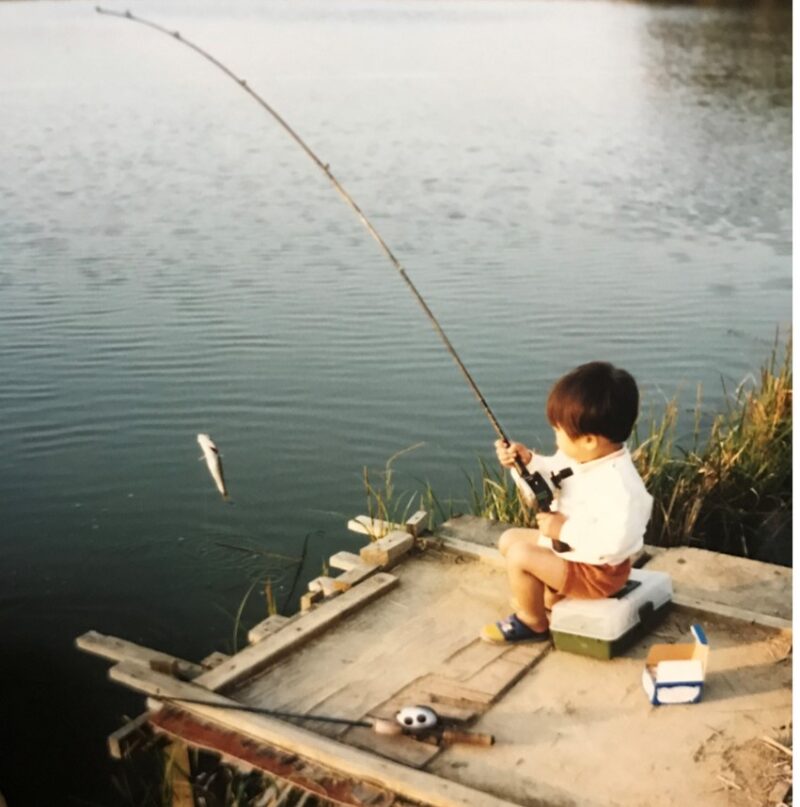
[605,503]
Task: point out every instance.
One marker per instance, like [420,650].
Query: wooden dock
[398,626]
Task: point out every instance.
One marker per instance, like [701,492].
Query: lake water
[562,180]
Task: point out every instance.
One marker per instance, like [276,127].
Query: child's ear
[590,441]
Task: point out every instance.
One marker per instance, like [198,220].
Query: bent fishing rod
[535,480]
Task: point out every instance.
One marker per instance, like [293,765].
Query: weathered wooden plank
[114,649]
[496,678]
[344,561]
[308,600]
[485,554]
[388,550]
[731,612]
[272,624]
[373,527]
[384,637]
[473,530]
[378,528]
[409,783]
[405,750]
[446,690]
[246,754]
[714,577]
[257,656]
[213,660]
[416,524]
[528,654]
[179,775]
[323,584]
[470,659]
[355,575]
[126,739]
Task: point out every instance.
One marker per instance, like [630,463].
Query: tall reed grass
[725,486]
[728,486]
[385,504]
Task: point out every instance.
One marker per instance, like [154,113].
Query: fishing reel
[423,723]
[543,493]
[538,486]
[417,719]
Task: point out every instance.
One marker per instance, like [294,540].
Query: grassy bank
[727,487]
[720,481]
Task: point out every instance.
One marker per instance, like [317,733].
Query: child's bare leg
[515,534]
[530,568]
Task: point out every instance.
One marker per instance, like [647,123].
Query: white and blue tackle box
[605,628]
[676,673]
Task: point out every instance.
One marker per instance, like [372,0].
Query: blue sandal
[512,630]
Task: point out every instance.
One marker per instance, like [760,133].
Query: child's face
[572,448]
[585,447]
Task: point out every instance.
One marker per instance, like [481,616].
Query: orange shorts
[585,581]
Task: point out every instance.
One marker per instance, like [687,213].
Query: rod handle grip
[469,737]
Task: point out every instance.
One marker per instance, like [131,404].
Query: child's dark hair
[595,398]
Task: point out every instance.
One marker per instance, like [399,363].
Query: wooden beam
[179,775]
[272,624]
[114,649]
[308,600]
[486,554]
[415,785]
[258,656]
[344,561]
[351,578]
[128,738]
[246,754]
[213,660]
[731,612]
[373,527]
[405,750]
[416,524]
[388,550]
[323,584]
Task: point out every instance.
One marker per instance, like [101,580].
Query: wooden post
[126,739]
[387,550]
[179,774]
[416,524]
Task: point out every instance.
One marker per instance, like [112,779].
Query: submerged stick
[325,168]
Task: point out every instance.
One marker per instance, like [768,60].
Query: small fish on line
[214,462]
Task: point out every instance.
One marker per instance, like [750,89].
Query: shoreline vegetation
[726,485]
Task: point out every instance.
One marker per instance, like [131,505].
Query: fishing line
[540,492]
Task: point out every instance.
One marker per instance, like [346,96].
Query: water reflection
[563,181]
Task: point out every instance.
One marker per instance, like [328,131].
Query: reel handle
[468,737]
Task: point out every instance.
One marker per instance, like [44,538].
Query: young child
[599,512]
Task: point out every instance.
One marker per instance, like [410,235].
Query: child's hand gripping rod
[541,491]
